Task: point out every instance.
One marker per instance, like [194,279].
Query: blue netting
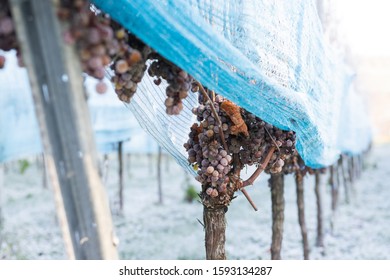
[19,132]
[113,122]
[267,56]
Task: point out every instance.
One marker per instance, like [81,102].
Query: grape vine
[249,141]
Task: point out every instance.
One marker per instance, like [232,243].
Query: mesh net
[171,132]
[19,132]
[268,57]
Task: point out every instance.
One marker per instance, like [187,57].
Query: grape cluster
[129,63]
[93,37]
[206,152]
[248,140]
[8,39]
[101,42]
[263,136]
[179,82]
[285,143]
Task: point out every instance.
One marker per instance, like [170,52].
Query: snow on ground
[148,230]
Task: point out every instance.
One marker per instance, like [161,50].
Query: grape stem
[259,169]
[216,117]
[237,166]
[249,198]
[276,145]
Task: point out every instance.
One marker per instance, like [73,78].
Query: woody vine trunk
[301,214]
[320,229]
[215,227]
[276,183]
[345,179]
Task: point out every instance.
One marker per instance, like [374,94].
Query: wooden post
[359,166]
[120,175]
[105,169]
[45,182]
[276,183]
[334,186]
[320,228]
[351,175]
[334,194]
[351,168]
[67,136]
[159,181]
[345,178]
[215,228]
[301,213]
[60,207]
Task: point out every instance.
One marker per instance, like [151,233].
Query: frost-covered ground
[171,231]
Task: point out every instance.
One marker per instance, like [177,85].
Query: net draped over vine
[268,57]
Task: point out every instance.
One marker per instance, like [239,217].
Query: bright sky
[366,25]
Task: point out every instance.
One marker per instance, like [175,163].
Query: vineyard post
[320,227]
[120,175]
[359,165]
[45,182]
[276,183]
[67,136]
[301,213]
[351,174]
[351,168]
[345,178]
[334,193]
[334,184]
[105,169]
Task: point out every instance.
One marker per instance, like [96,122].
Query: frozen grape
[209,191]
[210,170]
[101,87]
[121,67]
[134,57]
[224,162]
